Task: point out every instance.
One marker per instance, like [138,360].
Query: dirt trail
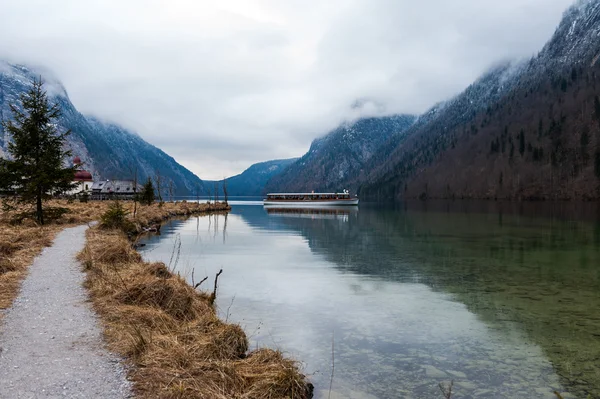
[50,340]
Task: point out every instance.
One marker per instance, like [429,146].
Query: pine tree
[522,142]
[147,195]
[36,169]
[597,108]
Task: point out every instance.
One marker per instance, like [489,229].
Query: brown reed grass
[170,332]
[21,243]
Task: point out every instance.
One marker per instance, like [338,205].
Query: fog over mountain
[222,85]
[108,151]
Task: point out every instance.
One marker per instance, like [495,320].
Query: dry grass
[168,331]
[171,335]
[155,214]
[18,247]
[21,243]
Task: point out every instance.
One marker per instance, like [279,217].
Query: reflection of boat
[327,212]
[311,199]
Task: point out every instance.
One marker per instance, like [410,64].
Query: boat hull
[304,204]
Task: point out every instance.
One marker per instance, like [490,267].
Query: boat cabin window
[308,197]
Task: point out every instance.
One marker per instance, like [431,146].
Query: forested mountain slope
[339,157]
[528,130]
[252,181]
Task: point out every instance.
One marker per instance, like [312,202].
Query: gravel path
[50,340]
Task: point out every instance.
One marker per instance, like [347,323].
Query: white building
[82,180]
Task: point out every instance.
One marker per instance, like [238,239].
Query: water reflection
[505,304]
[329,212]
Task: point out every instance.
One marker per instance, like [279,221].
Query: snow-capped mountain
[340,155]
[524,130]
[107,150]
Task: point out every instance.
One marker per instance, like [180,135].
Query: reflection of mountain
[537,275]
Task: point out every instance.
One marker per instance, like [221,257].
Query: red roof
[83,175]
[76,161]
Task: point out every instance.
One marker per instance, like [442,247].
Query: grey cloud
[220,85]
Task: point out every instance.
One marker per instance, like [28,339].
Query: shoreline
[172,343]
[168,332]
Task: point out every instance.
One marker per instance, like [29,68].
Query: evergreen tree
[36,169]
[563,85]
[584,141]
[597,108]
[522,142]
[147,195]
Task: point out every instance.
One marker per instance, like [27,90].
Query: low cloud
[220,85]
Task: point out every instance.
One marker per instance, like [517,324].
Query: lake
[501,299]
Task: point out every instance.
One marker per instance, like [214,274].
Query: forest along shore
[167,331]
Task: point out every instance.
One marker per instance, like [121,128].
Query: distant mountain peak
[252,181]
[524,129]
[339,156]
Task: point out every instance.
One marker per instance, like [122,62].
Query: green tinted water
[505,303]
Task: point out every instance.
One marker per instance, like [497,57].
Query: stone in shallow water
[457,374]
[432,372]
[545,393]
[466,385]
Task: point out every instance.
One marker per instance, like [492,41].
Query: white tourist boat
[311,199]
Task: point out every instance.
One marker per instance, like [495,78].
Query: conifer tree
[36,168]
[522,142]
[147,195]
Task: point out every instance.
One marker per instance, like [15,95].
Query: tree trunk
[39,212]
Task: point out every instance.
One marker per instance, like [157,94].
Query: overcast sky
[222,84]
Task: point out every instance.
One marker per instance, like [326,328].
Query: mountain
[525,130]
[107,150]
[252,181]
[338,157]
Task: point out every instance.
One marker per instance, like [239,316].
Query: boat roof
[308,194]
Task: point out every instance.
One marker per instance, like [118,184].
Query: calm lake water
[502,299]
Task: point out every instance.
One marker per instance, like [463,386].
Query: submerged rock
[433,372]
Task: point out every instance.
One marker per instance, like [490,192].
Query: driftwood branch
[213,296]
[201,281]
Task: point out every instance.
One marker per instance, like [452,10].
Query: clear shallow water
[505,302]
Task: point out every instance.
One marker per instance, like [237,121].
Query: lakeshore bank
[167,332]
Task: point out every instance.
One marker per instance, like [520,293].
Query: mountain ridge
[108,150]
[334,158]
[252,181]
[532,135]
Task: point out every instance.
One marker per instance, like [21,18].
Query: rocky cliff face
[338,157]
[525,130]
[107,150]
